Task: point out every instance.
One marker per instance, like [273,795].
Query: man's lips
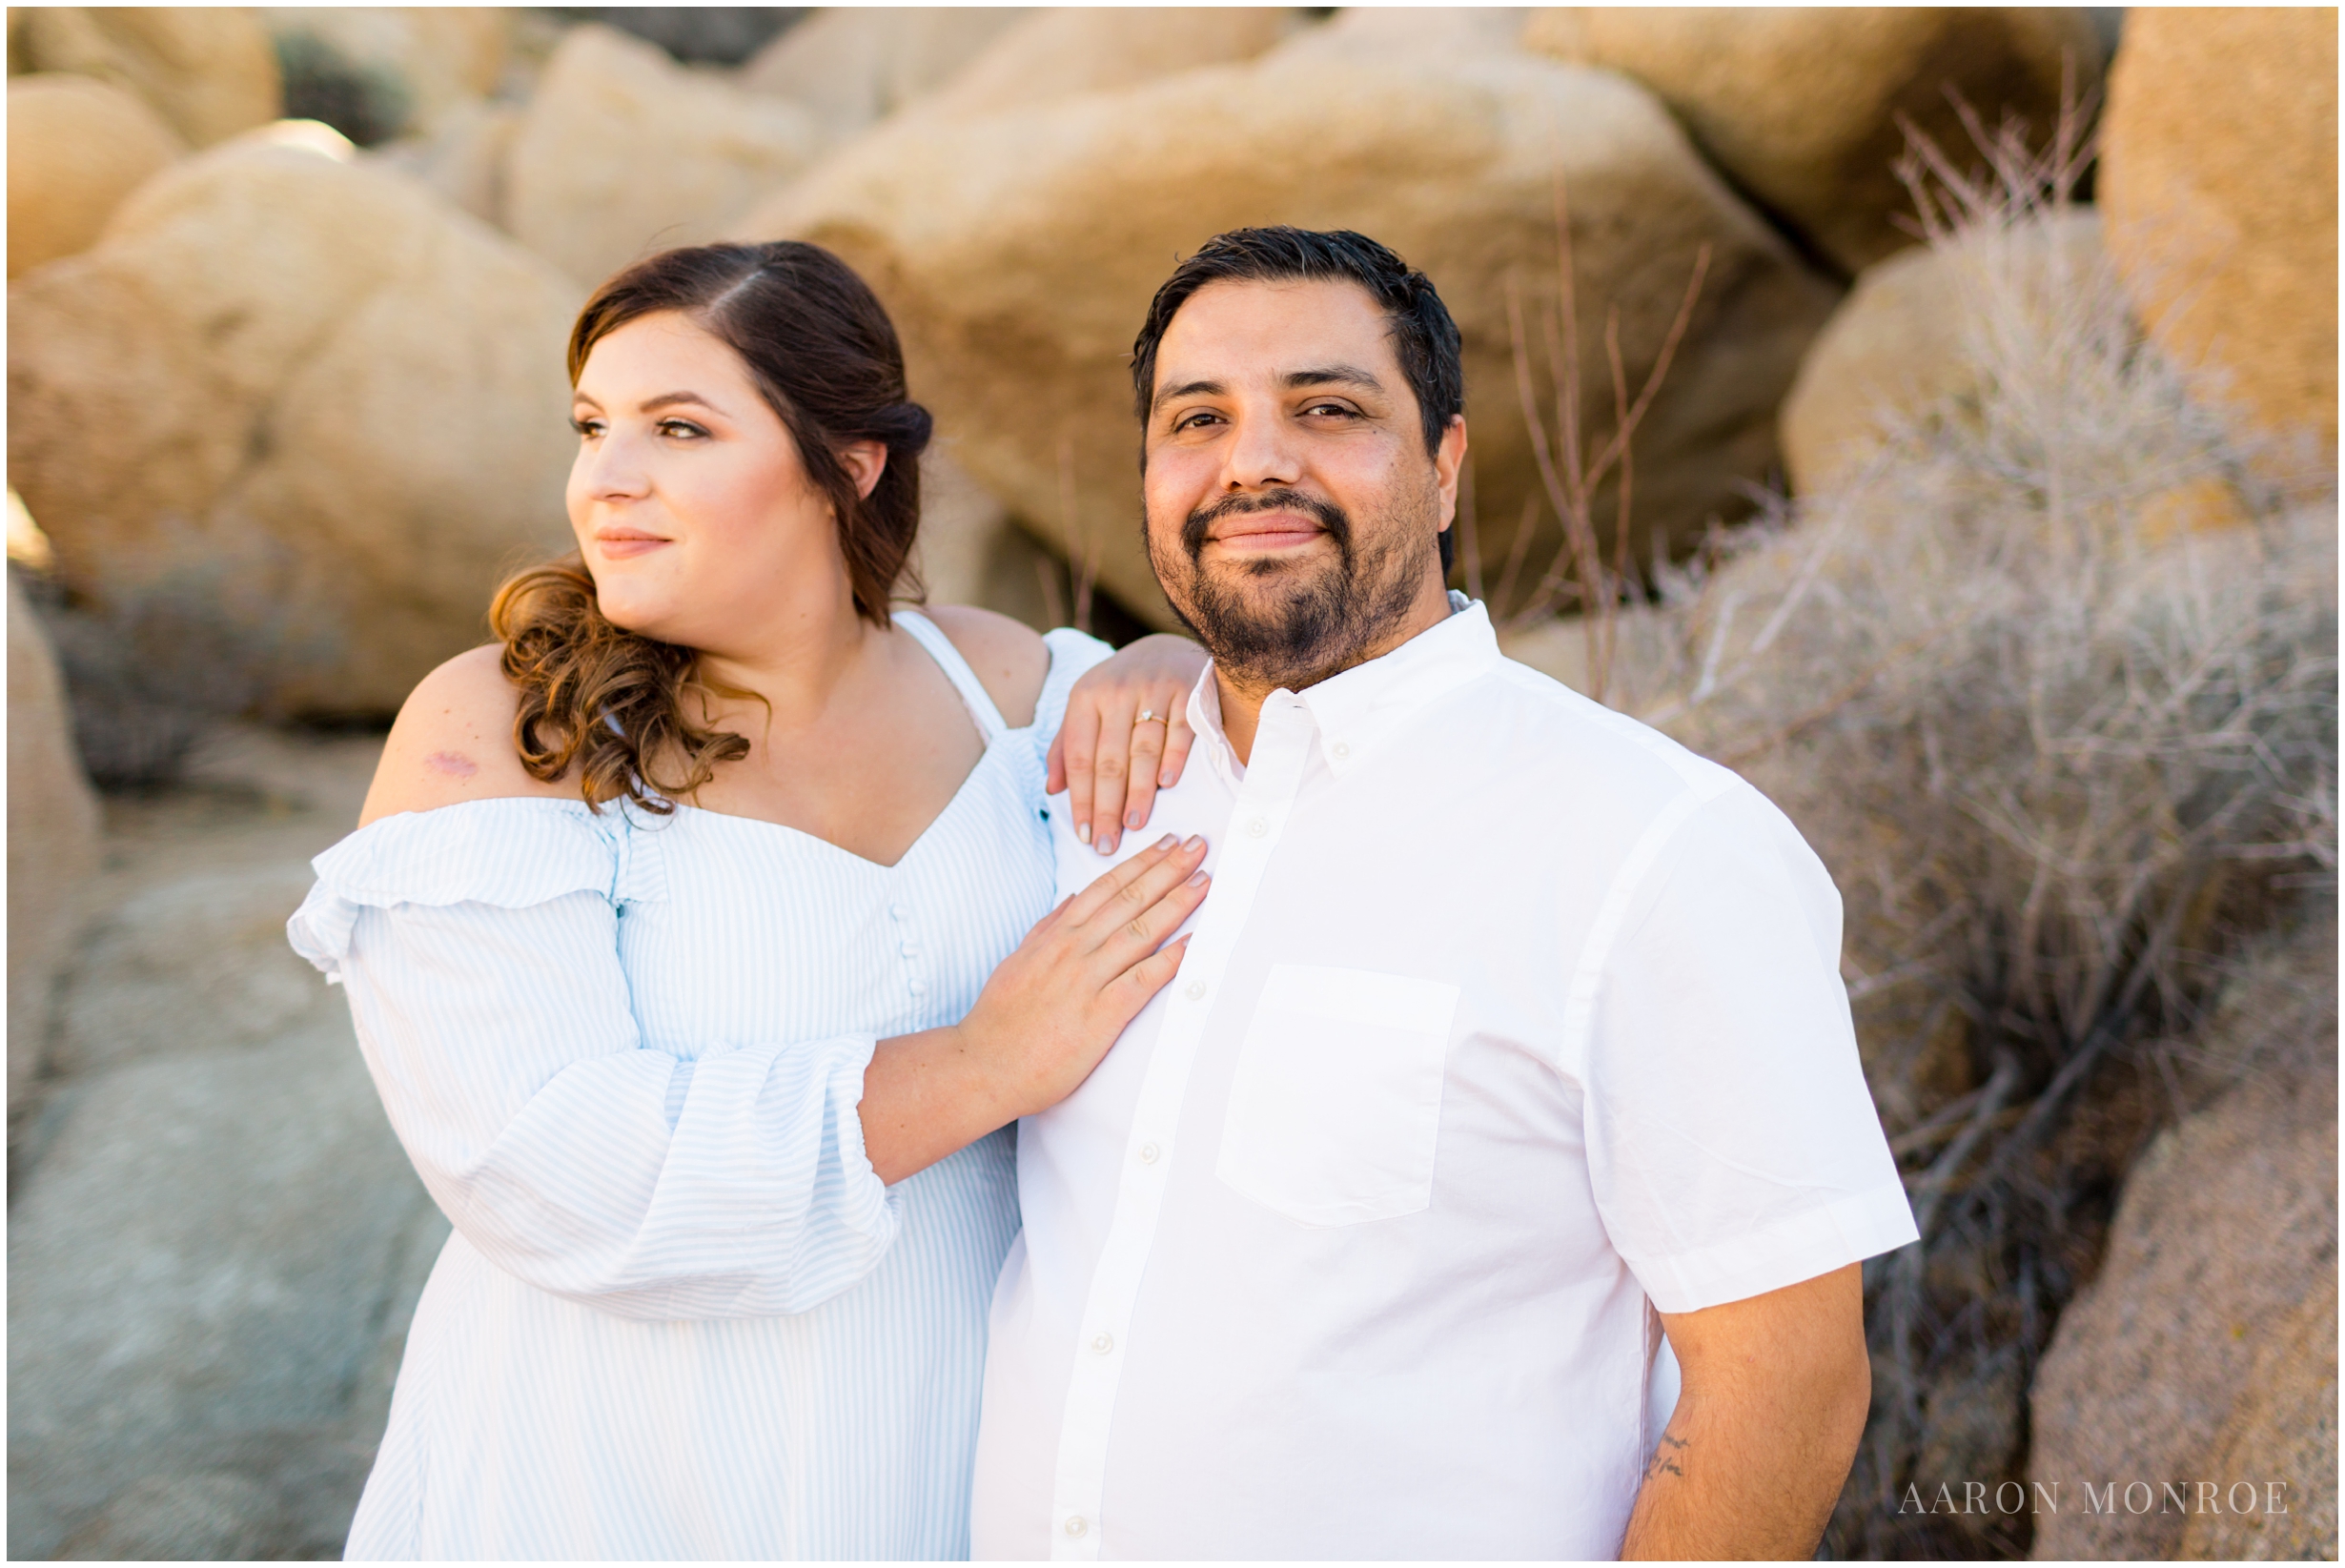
[1265,531]
[618,543]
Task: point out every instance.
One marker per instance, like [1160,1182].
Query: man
[1509,1044]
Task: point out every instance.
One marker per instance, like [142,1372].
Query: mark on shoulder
[1008,656]
[453,741]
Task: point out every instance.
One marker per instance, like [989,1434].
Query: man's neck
[1241,700]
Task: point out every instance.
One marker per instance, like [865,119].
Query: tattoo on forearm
[1666,1457]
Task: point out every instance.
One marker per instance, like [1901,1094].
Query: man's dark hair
[1424,338]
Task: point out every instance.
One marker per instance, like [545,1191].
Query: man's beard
[1319,619]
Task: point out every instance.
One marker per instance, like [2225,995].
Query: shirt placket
[1265,800]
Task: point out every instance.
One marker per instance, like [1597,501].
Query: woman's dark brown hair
[620,709]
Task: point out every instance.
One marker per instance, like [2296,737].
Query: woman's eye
[681,428]
[587,427]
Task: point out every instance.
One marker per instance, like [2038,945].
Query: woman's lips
[618,544]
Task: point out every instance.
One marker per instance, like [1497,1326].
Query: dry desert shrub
[2050,684]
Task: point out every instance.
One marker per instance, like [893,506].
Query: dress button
[1148,1153]
[1257,828]
[1339,751]
[1195,991]
[918,988]
[1076,1525]
[1102,1345]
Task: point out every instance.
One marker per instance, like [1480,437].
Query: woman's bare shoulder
[453,741]
[1008,656]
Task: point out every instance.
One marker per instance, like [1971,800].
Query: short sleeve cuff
[1799,1247]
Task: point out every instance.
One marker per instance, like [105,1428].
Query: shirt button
[1102,1345]
[897,911]
[1257,828]
[1339,751]
[1148,1153]
[911,949]
[1076,1525]
[919,988]
[1195,991]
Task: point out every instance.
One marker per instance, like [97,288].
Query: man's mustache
[1327,515]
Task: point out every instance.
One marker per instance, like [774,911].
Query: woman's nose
[615,469]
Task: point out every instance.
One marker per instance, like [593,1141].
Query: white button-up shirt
[1507,1021]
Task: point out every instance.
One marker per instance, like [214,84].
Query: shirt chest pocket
[1337,1103]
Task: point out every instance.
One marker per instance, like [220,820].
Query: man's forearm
[1776,1389]
[1721,1484]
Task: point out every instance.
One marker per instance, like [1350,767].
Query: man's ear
[1448,462]
[864,462]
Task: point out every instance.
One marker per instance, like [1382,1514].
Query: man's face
[1292,506]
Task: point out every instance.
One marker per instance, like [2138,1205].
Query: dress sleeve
[1072,655]
[1733,1146]
[478,946]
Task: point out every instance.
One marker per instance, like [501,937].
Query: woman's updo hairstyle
[820,347]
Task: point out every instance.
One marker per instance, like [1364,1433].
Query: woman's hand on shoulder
[1008,656]
[453,741]
[1110,760]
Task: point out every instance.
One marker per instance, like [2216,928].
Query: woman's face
[695,517]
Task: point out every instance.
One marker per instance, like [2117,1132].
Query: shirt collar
[1357,711]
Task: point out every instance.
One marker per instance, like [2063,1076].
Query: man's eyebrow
[1190,389]
[1320,376]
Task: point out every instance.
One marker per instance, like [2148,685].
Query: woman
[687,934]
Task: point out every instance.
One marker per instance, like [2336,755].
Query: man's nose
[1262,453]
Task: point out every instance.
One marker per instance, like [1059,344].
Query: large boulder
[209,71]
[308,394]
[1018,250]
[76,147]
[2218,177]
[2192,1355]
[623,153]
[52,838]
[398,70]
[856,65]
[1062,51]
[1803,108]
[1904,343]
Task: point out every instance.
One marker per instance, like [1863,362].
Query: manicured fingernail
[1197,842]
[1199,880]
[1135,821]
[1164,781]
[1083,831]
[1107,844]
[1165,842]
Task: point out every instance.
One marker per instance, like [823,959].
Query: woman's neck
[794,670]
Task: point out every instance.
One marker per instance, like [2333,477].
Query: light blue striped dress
[680,1316]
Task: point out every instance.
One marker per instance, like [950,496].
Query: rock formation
[310,393]
[76,147]
[856,65]
[2201,1342]
[209,71]
[1896,347]
[53,839]
[623,153]
[1018,250]
[1802,107]
[2218,177]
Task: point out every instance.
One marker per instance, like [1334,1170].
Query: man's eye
[1337,409]
[1192,421]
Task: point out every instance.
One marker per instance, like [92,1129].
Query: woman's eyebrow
[669,400]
